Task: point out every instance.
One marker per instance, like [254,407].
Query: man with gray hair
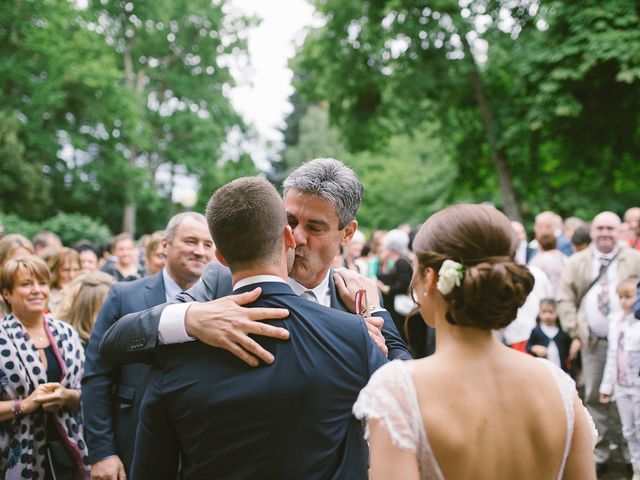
[321,198]
[587,304]
[111,395]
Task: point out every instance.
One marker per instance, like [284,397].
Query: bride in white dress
[475,409]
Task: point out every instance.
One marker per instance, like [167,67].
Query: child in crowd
[547,340]
[621,371]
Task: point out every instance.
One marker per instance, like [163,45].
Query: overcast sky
[262,95]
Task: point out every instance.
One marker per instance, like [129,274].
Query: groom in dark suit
[288,420]
[111,395]
[321,198]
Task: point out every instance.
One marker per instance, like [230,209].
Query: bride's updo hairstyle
[479,237]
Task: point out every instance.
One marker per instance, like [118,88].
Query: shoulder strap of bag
[595,280]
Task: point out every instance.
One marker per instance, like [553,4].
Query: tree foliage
[541,95]
[96,99]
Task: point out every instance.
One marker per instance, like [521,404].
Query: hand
[575,347]
[57,397]
[225,324]
[605,398]
[349,282]
[110,468]
[374,326]
[32,402]
[382,287]
[539,351]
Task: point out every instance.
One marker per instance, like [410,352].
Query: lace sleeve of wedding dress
[567,388]
[389,397]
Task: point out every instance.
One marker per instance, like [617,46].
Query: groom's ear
[221,258]
[289,240]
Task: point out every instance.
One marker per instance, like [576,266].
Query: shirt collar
[171,288]
[257,279]
[605,256]
[320,290]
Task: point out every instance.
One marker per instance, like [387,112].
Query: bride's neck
[456,338]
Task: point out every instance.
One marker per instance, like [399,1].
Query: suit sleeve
[157,448]
[97,386]
[134,339]
[397,348]
[567,297]
[534,339]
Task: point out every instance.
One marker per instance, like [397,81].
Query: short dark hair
[581,236]
[121,237]
[246,219]
[547,241]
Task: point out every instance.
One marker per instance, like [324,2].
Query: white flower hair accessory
[450,275]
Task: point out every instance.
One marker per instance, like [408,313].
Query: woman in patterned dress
[40,372]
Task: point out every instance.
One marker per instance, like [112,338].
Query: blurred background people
[581,238]
[13,245]
[632,219]
[88,253]
[46,243]
[126,267]
[155,253]
[395,282]
[64,266]
[41,369]
[550,260]
[82,300]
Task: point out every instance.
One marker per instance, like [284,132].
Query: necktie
[309,295]
[603,284]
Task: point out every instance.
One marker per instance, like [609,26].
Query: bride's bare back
[493,416]
[476,409]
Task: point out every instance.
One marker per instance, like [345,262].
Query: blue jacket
[291,419]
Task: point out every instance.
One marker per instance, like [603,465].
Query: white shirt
[171,328]
[598,323]
[520,329]
[321,291]
[171,288]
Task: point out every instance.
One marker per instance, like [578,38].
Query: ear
[221,258]
[289,240]
[430,279]
[164,243]
[348,232]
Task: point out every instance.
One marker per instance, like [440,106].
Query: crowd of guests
[74,374]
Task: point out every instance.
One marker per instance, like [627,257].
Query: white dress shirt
[599,323]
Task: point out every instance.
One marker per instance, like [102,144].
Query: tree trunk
[129,218]
[136,84]
[498,156]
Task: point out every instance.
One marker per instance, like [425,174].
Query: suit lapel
[154,292]
[335,301]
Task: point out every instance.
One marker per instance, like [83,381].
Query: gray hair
[331,180]
[176,220]
[397,241]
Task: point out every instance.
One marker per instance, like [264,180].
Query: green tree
[171,54]
[59,90]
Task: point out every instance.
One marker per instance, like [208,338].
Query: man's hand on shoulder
[349,282]
[224,323]
[109,468]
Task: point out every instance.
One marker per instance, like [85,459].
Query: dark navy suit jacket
[291,419]
[135,337]
[111,395]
